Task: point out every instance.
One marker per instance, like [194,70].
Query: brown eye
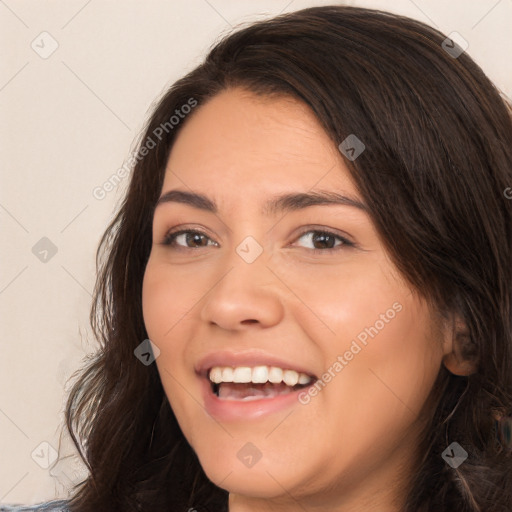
[188,239]
[322,240]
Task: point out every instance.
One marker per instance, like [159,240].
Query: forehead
[239,141]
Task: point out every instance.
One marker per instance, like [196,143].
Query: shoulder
[50,506]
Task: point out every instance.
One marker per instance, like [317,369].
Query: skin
[353,446]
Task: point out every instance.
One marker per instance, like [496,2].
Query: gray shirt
[50,506]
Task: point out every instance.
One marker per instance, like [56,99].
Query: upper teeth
[257,375]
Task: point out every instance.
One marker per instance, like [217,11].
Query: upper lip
[246,358]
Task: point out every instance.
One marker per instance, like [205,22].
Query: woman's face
[261,286]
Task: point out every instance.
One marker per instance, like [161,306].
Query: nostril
[249,321]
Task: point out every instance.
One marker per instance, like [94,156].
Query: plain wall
[69,120]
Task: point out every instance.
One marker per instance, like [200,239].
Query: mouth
[245,383]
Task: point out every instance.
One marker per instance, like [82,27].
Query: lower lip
[235,410]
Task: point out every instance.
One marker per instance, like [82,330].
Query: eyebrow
[273,206]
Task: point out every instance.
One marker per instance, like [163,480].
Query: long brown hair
[437,163]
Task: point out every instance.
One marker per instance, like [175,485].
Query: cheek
[372,405]
[167,295]
[167,298]
[346,297]
[157,306]
[389,375]
[381,331]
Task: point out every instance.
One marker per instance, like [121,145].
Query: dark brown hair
[438,159]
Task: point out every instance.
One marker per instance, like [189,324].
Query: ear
[460,356]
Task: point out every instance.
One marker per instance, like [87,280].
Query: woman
[317,240]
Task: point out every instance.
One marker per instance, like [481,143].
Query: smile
[245,393]
[257,383]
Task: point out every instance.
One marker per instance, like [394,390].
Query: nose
[247,295]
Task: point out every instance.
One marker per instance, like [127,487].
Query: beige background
[68,123]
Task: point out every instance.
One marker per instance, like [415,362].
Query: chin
[247,483]
[263,480]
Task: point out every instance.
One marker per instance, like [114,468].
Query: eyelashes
[331,241]
[171,238]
